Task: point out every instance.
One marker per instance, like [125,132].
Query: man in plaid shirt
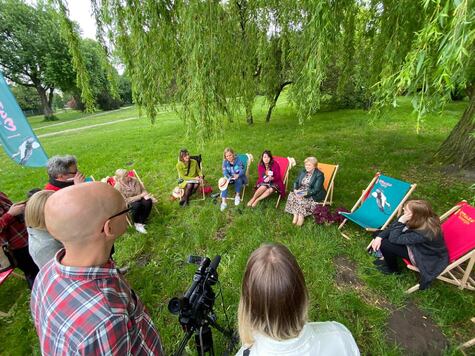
[13,233]
[80,303]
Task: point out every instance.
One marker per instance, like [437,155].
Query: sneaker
[237,200]
[223,206]
[379,262]
[384,269]
[140,228]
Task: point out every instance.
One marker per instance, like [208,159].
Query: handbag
[7,261]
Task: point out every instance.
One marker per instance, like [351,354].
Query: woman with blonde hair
[41,245]
[307,191]
[234,173]
[415,236]
[139,200]
[273,311]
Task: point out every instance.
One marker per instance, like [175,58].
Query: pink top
[277,176]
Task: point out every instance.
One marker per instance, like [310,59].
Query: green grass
[348,137]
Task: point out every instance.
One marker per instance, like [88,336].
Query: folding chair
[285,164]
[459,234]
[3,277]
[329,171]
[199,160]
[379,203]
[246,159]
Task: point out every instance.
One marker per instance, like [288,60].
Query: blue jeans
[238,183]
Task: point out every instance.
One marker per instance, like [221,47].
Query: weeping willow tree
[209,58]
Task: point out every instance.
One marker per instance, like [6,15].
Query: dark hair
[183,152]
[30,193]
[271,162]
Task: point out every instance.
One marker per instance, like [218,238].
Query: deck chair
[379,203]
[285,164]
[246,159]
[3,277]
[458,226]
[198,159]
[329,171]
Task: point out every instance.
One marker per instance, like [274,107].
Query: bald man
[80,303]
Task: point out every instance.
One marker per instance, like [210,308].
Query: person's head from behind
[35,209]
[123,175]
[274,296]
[310,164]
[86,215]
[184,155]
[229,154]
[422,217]
[266,158]
[32,191]
[62,168]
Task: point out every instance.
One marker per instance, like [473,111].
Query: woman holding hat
[139,200]
[308,191]
[190,175]
[233,173]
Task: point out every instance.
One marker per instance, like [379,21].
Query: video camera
[195,308]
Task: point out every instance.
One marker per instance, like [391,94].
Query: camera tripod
[204,337]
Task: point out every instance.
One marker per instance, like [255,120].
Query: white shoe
[140,228]
[237,200]
[223,206]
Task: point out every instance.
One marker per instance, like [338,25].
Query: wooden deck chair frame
[360,202]
[454,273]
[331,184]
[250,159]
[291,164]
[11,272]
[469,343]
[201,186]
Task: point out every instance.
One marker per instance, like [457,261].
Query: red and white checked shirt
[12,230]
[90,311]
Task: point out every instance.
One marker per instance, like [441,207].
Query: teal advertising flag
[16,135]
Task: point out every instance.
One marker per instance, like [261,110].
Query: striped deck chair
[458,226]
[379,203]
[3,277]
[329,172]
[246,159]
[198,159]
[285,164]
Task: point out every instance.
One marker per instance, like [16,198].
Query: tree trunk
[47,111]
[276,97]
[459,147]
[249,117]
[50,97]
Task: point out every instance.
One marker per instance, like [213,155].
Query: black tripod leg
[183,343]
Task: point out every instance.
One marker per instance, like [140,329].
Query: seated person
[42,246]
[189,173]
[13,234]
[63,172]
[416,236]
[139,200]
[269,180]
[273,311]
[307,192]
[234,172]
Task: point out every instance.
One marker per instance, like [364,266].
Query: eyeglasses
[73,173]
[125,211]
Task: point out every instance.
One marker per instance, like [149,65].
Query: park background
[389,88]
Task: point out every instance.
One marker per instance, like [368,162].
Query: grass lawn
[157,268]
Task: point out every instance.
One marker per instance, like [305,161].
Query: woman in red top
[269,181]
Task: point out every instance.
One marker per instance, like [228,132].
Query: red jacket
[275,168]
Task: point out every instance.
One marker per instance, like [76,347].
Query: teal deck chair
[379,203]
[246,159]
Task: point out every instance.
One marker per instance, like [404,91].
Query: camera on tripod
[195,308]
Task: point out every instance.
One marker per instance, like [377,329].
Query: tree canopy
[213,57]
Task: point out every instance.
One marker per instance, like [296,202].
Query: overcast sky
[80,11]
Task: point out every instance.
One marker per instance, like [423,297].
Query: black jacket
[315,188]
[430,255]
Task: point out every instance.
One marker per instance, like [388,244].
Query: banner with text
[16,135]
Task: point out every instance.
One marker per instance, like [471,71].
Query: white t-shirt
[325,338]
